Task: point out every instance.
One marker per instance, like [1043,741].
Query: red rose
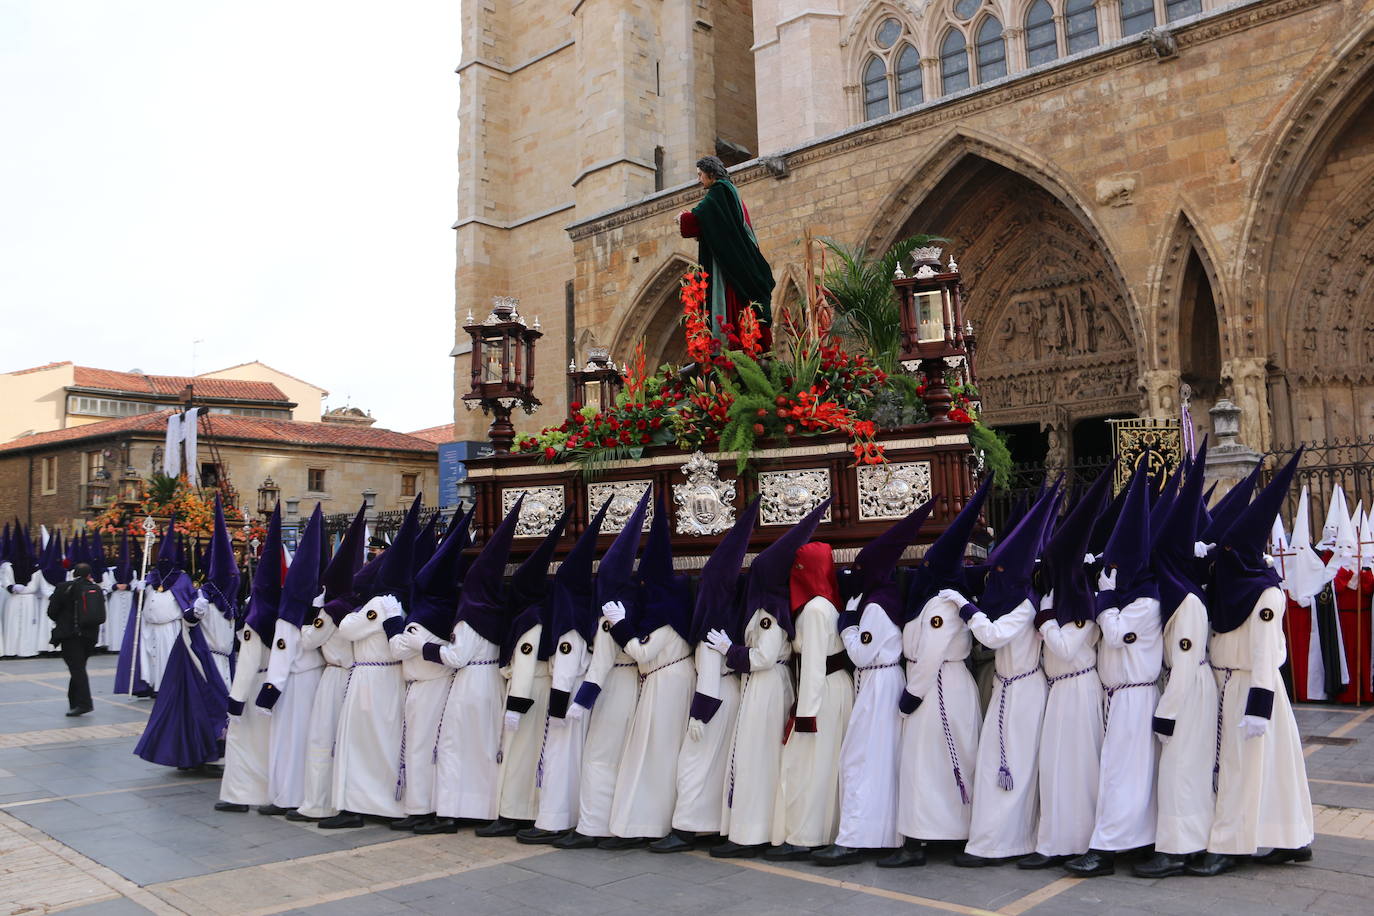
[575,406]
[656,422]
[549,453]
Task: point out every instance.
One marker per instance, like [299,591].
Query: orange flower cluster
[700,343]
[812,411]
[750,333]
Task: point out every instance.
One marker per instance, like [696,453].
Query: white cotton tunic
[808,811]
[1131,652]
[318,796]
[646,786]
[467,772]
[102,639]
[1071,739]
[1263,799]
[247,745]
[23,621]
[160,632]
[367,754]
[561,773]
[702,764]
[766,695]
[872,740]
[527,679]
[1004,821]
[117,608]
[6,580]
[1185,762]
[427,688]
[931,806]
[296,674]
[219,638]
[612,712]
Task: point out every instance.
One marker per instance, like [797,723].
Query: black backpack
[89,603]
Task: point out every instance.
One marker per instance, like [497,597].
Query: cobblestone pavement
[86,827]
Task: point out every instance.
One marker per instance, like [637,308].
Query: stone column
[1245,380]
[1228,459]
[1015,38]
[1108,21]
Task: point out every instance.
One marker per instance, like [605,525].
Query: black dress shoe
[296,816]
[502,826]
[1280,856]
[79,710]
[410,821]
[1160,865]
[1092,864]
[436,825]
[231,807]
[342,820]
[969,860]
[732,850]
[622,842]
[273,810]
[787,852]
[836,854]
[677,841]
[574,840]
[910,854]
[535,836]
[1210,864]
[1038,860]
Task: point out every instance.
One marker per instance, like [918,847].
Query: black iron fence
[1326,465]
[385,523]
[1027,479]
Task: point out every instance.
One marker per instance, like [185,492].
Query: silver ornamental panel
[889,491]
[787,496]
[705,503]
[624,496]
[539,512]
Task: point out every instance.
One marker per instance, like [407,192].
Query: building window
[105,407]
[1042,45]
[315,480]
[272,412]
[964,9]
[408,484]
[991,51]
[909,89]
[875,89]
[48,475]
[1136,16]
[1175,10]
[209,474]
[93,467]
[953,62]
[1080,25]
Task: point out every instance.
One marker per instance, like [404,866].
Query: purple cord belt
[1052,679]
[1112,691]
[1221,707]
[1004,779]
[949,734]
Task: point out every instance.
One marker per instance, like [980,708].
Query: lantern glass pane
[492,348]
[930,317]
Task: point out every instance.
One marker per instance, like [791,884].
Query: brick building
[1141,193]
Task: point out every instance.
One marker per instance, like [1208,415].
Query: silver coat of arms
[705,503]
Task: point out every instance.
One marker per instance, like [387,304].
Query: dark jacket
[77,608]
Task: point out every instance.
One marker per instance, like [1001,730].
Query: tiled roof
[436,434]
[132,383]
[224,428]
[257,362]
[43,368]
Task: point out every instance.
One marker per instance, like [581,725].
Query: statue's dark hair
[712,166]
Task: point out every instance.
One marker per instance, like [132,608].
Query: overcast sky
[275,178]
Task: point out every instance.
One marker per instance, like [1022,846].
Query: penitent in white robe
[702,764]
[219,638]
[808,811]
[23,630]
[296,674]
[1003,823]
[117,608]
[646,786]
[766,695]
[1129,658]
[427,688]
[367,753]
[612,676]
[872,740]
[247,745]
[160,632]
[1188,707]
[561,772]
[939,738]
[527,692]
[6,580]
[1263,799]
[1071,740]
[318,798]
[468,771]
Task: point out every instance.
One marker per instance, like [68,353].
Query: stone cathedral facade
[1141,193]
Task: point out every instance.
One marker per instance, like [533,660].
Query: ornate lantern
[130,488]
[502,368]
[599,382]
[268,492]
[935,336]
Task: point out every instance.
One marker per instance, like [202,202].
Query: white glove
[512,721]
[952,596]
[1163,739]
[201,604]
[853,603]
[718,641]
[1253,726]
[319,600]
[695,729]
[1088,558]
[614,611]
[1047,602]
[576,711]
[1200,550]
[1106,580]
[1269,561]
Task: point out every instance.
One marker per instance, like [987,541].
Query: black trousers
[75,651]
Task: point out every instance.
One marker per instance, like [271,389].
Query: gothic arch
[654,316]
[1171,264]
[869,14]
[788,289]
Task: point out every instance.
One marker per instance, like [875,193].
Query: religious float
[810,419]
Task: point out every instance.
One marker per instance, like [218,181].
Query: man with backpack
[77,609]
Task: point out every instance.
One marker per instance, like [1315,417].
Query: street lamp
[268,491]
[502,368]
[934,333]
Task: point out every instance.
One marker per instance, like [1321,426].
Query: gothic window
[953,62]
[991,50]
[889,30]
[1080,25]
[1136,16]
[908,77]
[964,9]
[1042,45]
[1175,10]
[875,89]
